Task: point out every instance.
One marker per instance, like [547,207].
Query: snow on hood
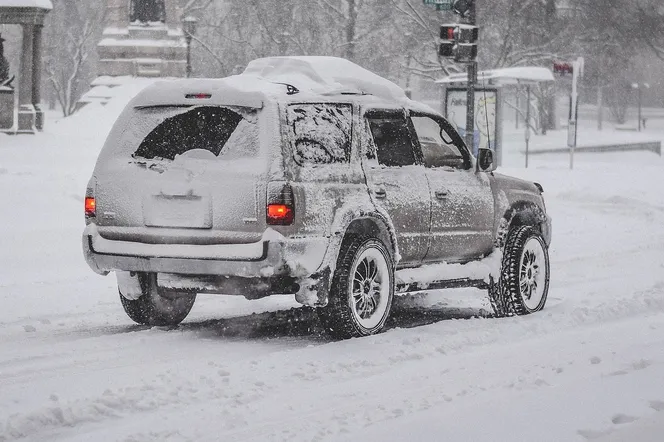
[42,4]
[324,75]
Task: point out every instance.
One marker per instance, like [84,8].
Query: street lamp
[189,28]
[640,87]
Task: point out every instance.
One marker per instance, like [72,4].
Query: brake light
[198,96]
[279,214]
[280,205]
[90,207]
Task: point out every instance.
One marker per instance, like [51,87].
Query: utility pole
[459,42]
[472,80]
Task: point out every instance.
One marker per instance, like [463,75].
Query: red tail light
[90,207]
[280,205]
[279,214]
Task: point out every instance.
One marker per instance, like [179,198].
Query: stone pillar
[6,109]
[36,76]
[26,109]
[117,14]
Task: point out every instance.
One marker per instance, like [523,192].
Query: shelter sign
[486,116]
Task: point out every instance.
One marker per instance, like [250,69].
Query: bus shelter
[489,102]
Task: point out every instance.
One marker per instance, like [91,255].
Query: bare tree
[71,37]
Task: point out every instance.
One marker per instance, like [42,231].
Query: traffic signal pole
[472,80]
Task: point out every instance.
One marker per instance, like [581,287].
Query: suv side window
[438,145]
[392,139]
[320,133]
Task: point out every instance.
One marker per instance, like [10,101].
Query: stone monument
[142,38]
[4,64]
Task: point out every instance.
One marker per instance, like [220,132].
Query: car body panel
[462,215]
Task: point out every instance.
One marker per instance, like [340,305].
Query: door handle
[380,193]
[442,194]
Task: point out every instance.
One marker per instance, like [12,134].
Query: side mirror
[485,161]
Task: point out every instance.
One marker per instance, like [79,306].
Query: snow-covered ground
[590,367]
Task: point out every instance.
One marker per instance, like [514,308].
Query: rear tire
[156,308]
[523,285]
[362,289]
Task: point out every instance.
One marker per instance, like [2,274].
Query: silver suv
[308,176]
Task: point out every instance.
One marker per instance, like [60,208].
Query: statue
[147,11]
[4,66]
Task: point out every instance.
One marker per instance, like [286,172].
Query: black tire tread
[504,294]
[337,316]
[144,310]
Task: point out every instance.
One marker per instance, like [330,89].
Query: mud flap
[129,285]
[315,290]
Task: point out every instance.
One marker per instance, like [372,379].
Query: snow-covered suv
[308,176]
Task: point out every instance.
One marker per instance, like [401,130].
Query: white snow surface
[324,75]
[590,367]
[43,4]
[505,76]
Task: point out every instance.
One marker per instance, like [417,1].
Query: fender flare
[340,228]
[519,213]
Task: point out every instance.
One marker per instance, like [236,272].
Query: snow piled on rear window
[166,132]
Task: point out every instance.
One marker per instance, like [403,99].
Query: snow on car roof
[267,78]
[230,91]
[42,4]
[324,75]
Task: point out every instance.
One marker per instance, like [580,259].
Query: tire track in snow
[173,390]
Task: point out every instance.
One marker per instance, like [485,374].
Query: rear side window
[391,136]
[173,131]
[320,133]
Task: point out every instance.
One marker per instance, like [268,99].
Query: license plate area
[183,211]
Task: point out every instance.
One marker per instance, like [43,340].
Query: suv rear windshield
[164,132]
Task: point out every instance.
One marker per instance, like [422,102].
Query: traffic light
[459,42]
[462,7]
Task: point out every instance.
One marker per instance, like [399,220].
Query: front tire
[362,289]
[523,285]
[156,308]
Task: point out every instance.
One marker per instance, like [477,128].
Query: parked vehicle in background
[311,176]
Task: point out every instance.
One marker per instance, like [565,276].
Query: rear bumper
[273,256]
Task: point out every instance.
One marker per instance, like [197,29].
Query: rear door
[397,181]
[184,175]
[462,203]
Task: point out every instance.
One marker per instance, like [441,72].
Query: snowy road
[590,367]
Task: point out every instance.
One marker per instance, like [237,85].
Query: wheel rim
[532,274]
[370,287]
